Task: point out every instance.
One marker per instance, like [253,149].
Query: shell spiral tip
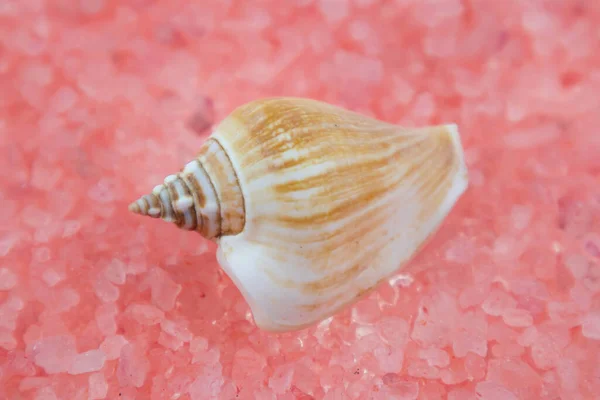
[148,205]
[135,208]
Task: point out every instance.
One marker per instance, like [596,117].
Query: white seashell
[312,205]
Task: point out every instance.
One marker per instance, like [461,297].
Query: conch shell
[312,205]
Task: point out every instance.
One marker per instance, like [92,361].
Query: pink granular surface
[100,99]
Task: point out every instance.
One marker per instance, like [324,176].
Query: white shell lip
[460,182]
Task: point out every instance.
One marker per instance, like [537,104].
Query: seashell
[312,205]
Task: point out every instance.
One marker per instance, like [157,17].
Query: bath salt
[493,391]
[471,335]
[45,393]
[33,382]
[105,318]
[517,318]
[115,272]
[54,354]
[105,290]
[112,345]
[98,387]
[163,289]
[333,10]
[133,366]
[281,379]
[51,277]
[590,327]
[145,314]
[7,340]
[435,357]
[89,361]
[498,302]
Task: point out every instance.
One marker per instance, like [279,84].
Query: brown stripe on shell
[435,183]
[331,302]
[218,166]
[197,193]
[187,192]
[173,197]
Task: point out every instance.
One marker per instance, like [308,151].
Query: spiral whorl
[205,196]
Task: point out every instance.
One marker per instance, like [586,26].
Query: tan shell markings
[273,126]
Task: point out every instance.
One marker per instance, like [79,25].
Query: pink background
[100,99]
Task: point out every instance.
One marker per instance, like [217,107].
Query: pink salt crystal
[112,345]
[105,291]
[435,357]
[7,242]
[492,391]
[64,98]
[145,314]
[577,264]
[208,385]
[547,348]
[393,330]
[247,364]
[281,378]
[455,373]
[163,289]
[333,394]
[91,7]
[471,335]
[473,295]
[90,361]
[133,366]
[402,388]
[389,359]
[421,369]
[516,375]
[517,318]
[532,137]
[590,327]
[431,13]
[461,394]
[528,337]
[176,330]
[9,312]
[70,228]
[105,318]
[569,375]
[8,279]
[501,350]
[7,340]
[520,216]
[54,354]
[474,366]
[40,255]
[198,344]
[592,244]
[45,393]
[51,277]
[498,302]
[98,387]
[435,319]
[115,272]
[64,300]
[333,10]
[168,341]
[34,382]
